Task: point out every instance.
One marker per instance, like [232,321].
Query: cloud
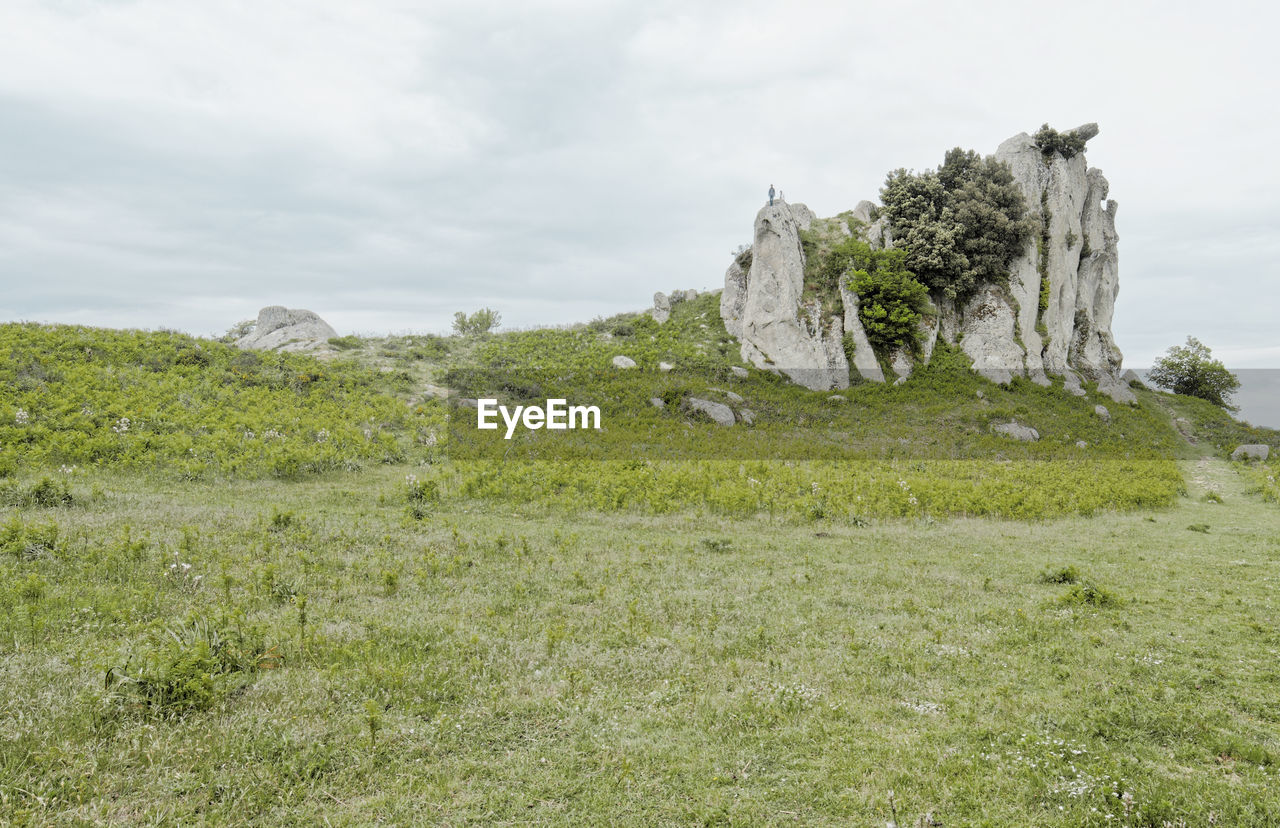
[388,163]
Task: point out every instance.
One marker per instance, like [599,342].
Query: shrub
[481,322]
[890,304]
[1191,370]
[1049,141]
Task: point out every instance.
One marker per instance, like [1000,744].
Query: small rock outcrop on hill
[662,303]
[284,329]
[777,330]
[1053,317]
[1252,451]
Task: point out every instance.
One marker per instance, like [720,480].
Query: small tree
[1192,370]
[481,322]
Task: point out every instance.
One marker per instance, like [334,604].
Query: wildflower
[21,417]
[753,481]
[322,435]
[121,426]
[66,469]
[912,500]
[815,487]
[248,435]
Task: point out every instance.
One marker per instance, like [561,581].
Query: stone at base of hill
[720,413]
[664,367]
[747,416]
[621,361]
[738,371]
[1101,411]
[287,329]
[1017,431]
[657,402]
[1252,451]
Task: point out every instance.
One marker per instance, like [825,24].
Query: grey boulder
[1251,451]
[1017,431]
[720,413]
[287,329]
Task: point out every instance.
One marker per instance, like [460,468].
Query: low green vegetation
[72,396]
[279,652]
[864,606]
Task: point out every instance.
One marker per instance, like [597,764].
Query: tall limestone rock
[777,330]
[1002,329]
[1077,255]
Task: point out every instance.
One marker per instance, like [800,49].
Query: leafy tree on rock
[961,225]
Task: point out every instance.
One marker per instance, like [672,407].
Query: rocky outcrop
[1077,256]
[662,303]
[284,329]
[1002,328]
[623,362]
[779,331]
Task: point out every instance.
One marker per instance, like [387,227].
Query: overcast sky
[180,164]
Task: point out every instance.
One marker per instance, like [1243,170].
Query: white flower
[21,417]
[121,426]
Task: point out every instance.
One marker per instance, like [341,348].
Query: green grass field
[354,629]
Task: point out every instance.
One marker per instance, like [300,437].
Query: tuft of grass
[1062,575]
[1087,594]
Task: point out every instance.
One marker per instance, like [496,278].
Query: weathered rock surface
[1101,411]
[720,413]
[739,372]
[285,329]
[778,332]
[1017,431]
[1252,451]
[661,307]
[621,361]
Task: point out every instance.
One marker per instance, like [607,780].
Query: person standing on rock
[770,195]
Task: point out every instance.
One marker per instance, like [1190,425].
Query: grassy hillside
[192,408]
[283,594]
